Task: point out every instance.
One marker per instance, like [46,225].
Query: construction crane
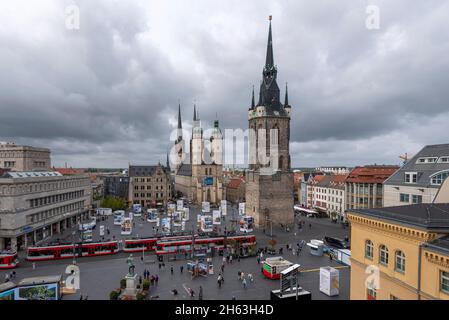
[404,158]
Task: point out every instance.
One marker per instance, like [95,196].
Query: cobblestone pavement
[100,275]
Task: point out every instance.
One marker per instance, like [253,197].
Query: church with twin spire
[199,170]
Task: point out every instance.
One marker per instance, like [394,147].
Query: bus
[66,251]
[8,260]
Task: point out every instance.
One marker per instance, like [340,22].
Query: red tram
[184,245]
[66,251]
[8,260]
[165,245]
[139,245]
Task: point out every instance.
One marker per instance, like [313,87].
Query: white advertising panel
[185,214]
[179,205]
[242,208]
[329,281]
[205,206]
[224,207]
[216,216]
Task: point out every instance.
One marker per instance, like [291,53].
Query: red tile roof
[371,174]
[68,171]
[235,183]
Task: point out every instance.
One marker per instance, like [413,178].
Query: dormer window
[439,177]
[411,177]
[444,159]
[427,160]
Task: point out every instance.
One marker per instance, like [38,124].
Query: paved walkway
[100,275]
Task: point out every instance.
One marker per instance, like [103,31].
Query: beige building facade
[149,185]
[36,205]
[24,158]
[398,253]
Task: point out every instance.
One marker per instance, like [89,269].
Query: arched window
[275,135]
[369,249]
[400,261]
[383,255]
[439,177]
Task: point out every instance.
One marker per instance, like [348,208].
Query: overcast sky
[107,94]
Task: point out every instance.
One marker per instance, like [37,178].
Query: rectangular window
[416,199]
[411,177]
[445,282]
[10,164]
[404,198]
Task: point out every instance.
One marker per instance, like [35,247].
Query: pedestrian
[219,280]
[81,297]
[230,258]
[200,293]
[310,226]
[171,269]
[239,273]
[258,260]
[244,283]
[6,277]
[192,293]
[182,268]
[157,279]
[159,266]
[140,280]
[294,252]
[250,277]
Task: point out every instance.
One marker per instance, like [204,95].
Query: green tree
[114,203]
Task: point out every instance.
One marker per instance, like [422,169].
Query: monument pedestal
[131,286]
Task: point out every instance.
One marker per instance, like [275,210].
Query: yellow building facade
[400,253]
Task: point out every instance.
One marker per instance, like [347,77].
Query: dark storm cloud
[107,94]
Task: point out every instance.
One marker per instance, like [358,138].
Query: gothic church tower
[269,189]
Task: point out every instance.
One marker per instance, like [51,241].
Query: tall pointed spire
[168,162]
[286,95]
[179,117]
[194,112]
[253,104]
[269,61]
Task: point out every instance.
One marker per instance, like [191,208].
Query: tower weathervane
[270,18]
